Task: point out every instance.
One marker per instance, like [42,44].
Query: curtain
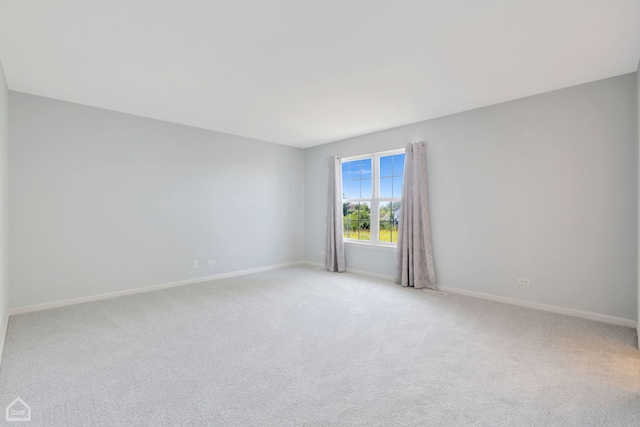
[334,260]
[414,257]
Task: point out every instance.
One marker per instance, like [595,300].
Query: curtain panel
[414,256]
[334,260]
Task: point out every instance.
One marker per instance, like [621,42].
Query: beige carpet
[305,347]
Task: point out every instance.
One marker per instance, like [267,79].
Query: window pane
[345,171]
[350,230]
[365,168]
[350,220]
[385,211]
[389,214]
[364,221]
[354,168]
[397,186]
[386,187]
[357,221]
[345,189]
[354,189]
[398,165]
[365,189]
[385,224]
[395,212]
[386,168]
[385,232]
[395,216]
[364,232]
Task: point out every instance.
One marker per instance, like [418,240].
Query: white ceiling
[306,72]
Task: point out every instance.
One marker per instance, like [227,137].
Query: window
[371,190]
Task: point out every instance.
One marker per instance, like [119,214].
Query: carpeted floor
[301,346]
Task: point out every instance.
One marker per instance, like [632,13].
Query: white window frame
[375,199]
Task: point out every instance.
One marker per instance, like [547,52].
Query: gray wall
[542,187]
[101,201]
[4,141]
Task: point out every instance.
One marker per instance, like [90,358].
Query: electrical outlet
[212,262]
[524,281]
[195,264]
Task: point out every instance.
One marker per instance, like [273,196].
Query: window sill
[390,248]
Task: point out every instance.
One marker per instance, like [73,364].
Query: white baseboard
[313,264]
[80,300]
[352,271]
[538,306]
[545,307]
[369,274]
